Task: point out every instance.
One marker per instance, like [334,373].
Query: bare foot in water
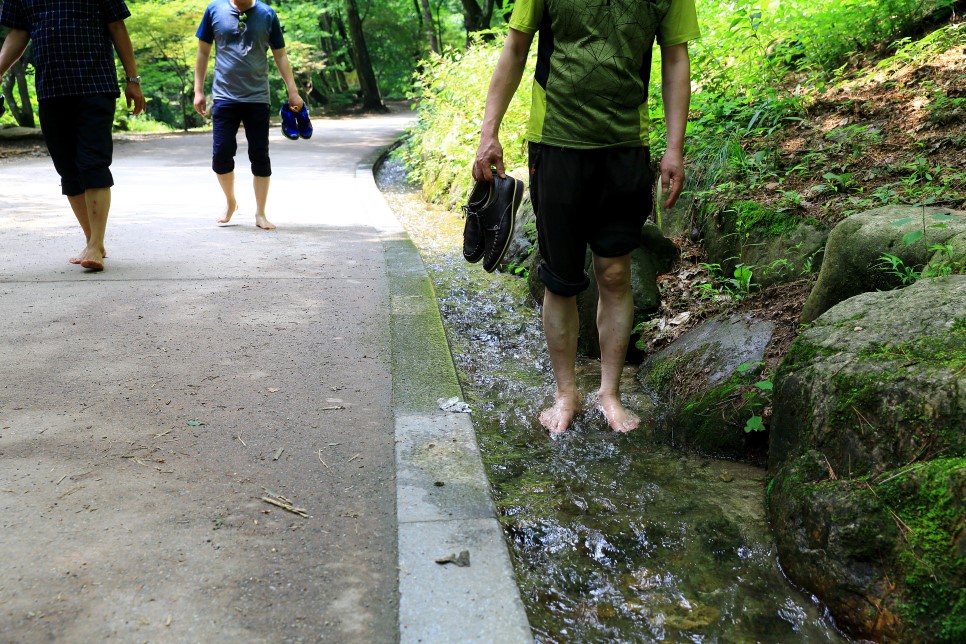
[92,260]
[229,211]
[264,223]
[619,419]
[557,418]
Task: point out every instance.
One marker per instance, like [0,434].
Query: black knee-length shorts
[598,197]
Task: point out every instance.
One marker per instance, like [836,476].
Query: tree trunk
[428,18]
[333,78]
[22,110]
[475,17]
[371,100]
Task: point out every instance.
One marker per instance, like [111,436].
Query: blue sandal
[304,124]
[290,127]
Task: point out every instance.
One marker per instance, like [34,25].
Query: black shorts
[226,116]
[77,130]
[599,197]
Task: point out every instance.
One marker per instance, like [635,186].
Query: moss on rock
[927,501]
[752,218]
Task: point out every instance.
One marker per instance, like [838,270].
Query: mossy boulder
[778,245]
[868,439]
[655,255]
[853,261]
[700,387]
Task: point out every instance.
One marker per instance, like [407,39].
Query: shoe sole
[472,259]
[515,204]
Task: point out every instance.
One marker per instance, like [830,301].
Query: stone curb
[443,502]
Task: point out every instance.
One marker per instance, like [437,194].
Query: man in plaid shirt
[77,89]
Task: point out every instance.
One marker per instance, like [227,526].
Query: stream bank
[614,537]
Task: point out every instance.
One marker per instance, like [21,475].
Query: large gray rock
[853,263]
[868,439]
[700,392]
[655,255]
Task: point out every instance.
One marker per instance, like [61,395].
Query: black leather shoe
[473,241]
[498,218]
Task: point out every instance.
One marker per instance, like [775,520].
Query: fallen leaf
[462,559]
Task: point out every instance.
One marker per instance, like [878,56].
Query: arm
[285,69]
[13,48]
[201,69]
[503,84]
[125,51]
[676,93]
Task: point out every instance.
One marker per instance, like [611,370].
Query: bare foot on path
[264,223]
[229,211]
[79,258]
[557,419]
[619,419]
[92,260]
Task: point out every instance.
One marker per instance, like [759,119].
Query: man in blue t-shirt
[243,32]
[77,89]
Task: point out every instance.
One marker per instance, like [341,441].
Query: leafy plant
[920,171]
[942,264]
[758,397]
[841,182]
[892,265]
[735,287]
[939,220]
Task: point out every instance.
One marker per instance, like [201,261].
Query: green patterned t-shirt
[594,65]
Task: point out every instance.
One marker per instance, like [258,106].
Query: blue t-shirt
[73,52]
[241,44]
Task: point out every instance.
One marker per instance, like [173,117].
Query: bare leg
[78,204]
[615,317]
[261,197]
[97,205]
[227,183]
[560,325]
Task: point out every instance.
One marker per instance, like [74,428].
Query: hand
[200,103]
[295,101]
[488,155]
[135,97]
[672,176]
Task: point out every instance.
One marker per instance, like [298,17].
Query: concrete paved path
[150,413]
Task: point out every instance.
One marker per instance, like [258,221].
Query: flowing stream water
[613,537]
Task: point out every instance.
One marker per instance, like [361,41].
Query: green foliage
[452,92]
[735,287]
[892,265]
[758,396]
[942,263]
[163,35]
[754,218]
[925,500]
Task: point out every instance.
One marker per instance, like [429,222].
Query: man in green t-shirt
[590,178]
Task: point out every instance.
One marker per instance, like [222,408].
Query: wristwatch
[134,79]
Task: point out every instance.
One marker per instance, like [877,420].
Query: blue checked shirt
[72,50]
